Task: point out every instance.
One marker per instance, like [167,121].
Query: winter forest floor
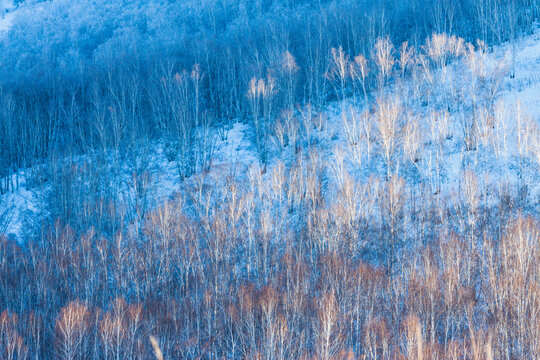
[234,152]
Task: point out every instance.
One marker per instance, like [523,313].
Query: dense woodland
[367,254]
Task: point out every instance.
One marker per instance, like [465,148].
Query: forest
[270,179]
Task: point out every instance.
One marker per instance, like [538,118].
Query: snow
[235,153]
[525,87]
[18,210]
[235,156]
[7,14]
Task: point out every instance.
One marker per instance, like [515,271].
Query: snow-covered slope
[525,87]
[234,153]
[18,210]
[6,15]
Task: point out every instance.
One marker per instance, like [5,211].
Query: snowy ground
[525,87]
[234,155]
[6,15]
[18,209]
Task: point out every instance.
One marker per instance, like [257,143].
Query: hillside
[235,153]
[270,179]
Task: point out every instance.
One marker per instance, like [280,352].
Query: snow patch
[7,13]
[17,210]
